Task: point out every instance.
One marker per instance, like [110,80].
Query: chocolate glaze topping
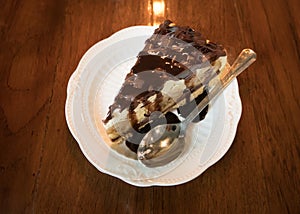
[169,54]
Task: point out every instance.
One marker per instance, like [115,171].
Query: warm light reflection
[164,143]
[156,10]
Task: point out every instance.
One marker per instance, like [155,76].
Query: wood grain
[42,169]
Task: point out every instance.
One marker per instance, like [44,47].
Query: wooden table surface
[42,169]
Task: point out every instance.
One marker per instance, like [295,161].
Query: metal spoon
[164,143]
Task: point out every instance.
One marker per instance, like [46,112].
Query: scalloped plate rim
[71,87]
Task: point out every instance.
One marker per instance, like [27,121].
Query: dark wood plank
[42,169]
[28,63]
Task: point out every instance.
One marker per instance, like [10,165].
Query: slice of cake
[166,83]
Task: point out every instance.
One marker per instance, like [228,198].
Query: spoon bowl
[164,143]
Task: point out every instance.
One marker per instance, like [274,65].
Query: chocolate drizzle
[211,50]
[171,53]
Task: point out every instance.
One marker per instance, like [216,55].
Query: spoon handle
[221,81]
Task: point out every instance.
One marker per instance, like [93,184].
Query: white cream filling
[172,89]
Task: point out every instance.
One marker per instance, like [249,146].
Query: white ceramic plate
[92,88]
